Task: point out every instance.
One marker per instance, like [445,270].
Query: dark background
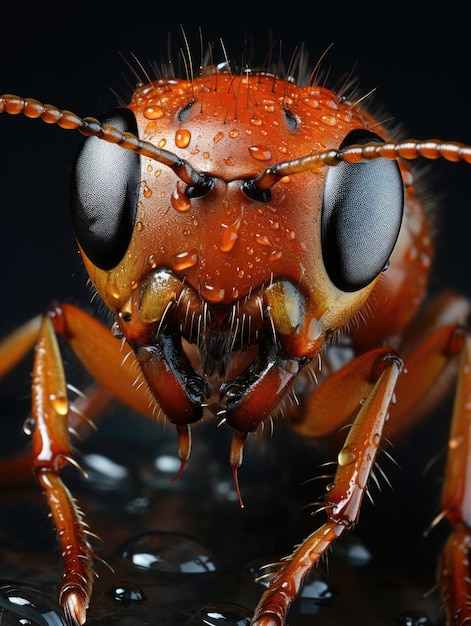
[69,54]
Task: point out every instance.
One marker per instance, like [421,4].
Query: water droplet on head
[185,260]
[169,553]
[229,236]
[261,153]
[182,138]
[153,112]
[262,240]
[151,262]
[180,201]
[328,119]
[146,191]
[116,331]
[213,293]
[275,255]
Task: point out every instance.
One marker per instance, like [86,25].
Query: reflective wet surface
[185,553]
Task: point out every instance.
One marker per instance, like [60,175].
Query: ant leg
[342,502]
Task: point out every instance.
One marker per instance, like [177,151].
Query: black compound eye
[104,194]
[361,216]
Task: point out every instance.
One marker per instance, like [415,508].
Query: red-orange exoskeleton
[234,224]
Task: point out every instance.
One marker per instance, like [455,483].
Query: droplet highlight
[261,153]
[185,260]
[182,138]
[167,552]
[180,201]
[24,604]
[221,614]
[127,594]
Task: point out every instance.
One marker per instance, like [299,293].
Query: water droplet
[150,129]
[262,240]
[376,439]
[59,403]
[316,589]
[127,594]
[328,119]
[153,112]
[229,235]
[261,153]
[26,605]
[269,106]
[184,260]
[218,137]
[214,294]
[106,474]
[222,614]
[167,464]
[354,552]
[455,442]
[332,104]
[414,618]
[169,553]
[182,138]
[314,330]
[28,426]
[275,255]
[312,102]
[315,594]
[116,331]
[146,190]
[233,133]
[151,262]
[346,457]
[425,260]
[180,201]
[256,121]
[162,143]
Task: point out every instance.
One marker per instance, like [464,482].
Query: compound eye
[104,194]
[361,216]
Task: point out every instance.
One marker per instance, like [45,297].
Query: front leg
[456,502]
[51,451]
[113,365]
[342,501]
